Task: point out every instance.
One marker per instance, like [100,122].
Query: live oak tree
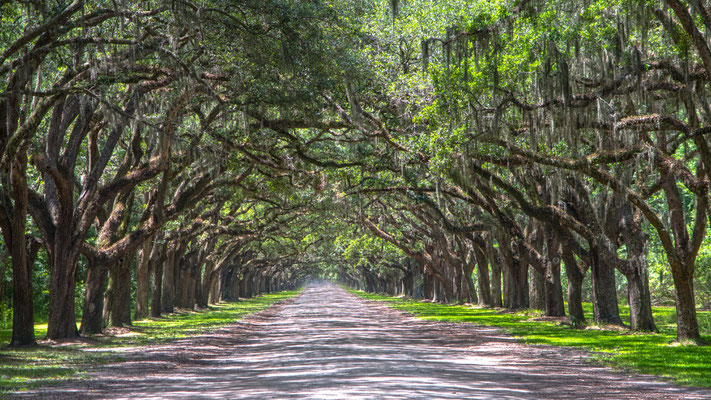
[479,152]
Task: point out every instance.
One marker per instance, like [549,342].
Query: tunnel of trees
[158,155]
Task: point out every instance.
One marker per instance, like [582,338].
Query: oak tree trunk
[92,319]
[483,282]
[62,316]
[575,289]
[168,293]
[555,306]
[604,291]
[118,304]
[641,318]
[23,258]
[143,279]
[687,323]
[495,277]
[157,288]
[537,289]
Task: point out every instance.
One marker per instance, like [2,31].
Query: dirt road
[329,344]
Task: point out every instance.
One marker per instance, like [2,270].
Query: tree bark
[555,307]
[483,282]
[536,289]
[199,298]
[428,286]
[605,307]
[687,323]
[417,280]
[157,287]
[458,284]
[143,279]
[469,283]
[641,318]
[23,256]
[168,293]
[23,332]
[575,289]
[515,279]
[62,315]
[639,297]
[118,304]
[495,276]
[92,319]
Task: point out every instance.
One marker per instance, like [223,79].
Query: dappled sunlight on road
[328,344]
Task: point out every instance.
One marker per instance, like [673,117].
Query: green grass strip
[25,368]
[655,354]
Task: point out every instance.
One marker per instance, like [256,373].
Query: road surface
[330,344]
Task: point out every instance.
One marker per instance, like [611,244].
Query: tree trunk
[495,277]
[199,297]
[214,296]
[641,318]
[470,287]
[247,284]
[23,324]
[92,319]
[168,295]
[483,283]
[537,289]
[418,289]
[237,287]
[157,289]
[209,284]
[228,283]
[459,294]
[436,291]
[63,258]
[444,284]
[428,286]
[682,258]
[554,305]
[23,321]
[185,283]
[143,279]
[687,323]
[575,289]
[118,302]
[407,280]
[515,280]
[605,308]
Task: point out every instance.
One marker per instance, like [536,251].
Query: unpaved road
[329,344]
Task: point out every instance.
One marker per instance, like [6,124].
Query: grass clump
[28,367]
[655,354]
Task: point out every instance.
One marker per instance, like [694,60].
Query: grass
[25,368]
[656,354]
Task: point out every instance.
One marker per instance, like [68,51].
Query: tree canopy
[510,153]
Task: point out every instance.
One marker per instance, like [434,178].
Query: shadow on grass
[29,367]
[649,353]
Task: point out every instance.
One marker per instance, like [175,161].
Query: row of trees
[564,135]
[212,151]
[126,135]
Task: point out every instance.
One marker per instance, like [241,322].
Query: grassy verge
[647,353]
[25,368]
